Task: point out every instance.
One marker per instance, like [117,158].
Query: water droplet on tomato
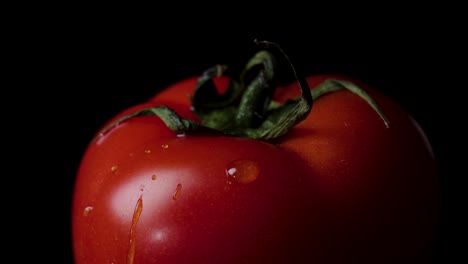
[153,177]
[87,210]
[164,146]
[114,168]
[135,218]
[148,151]
[242,171]
[181,135]
[177,191]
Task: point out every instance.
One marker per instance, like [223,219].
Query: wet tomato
[341,182]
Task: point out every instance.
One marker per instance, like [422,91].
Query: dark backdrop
[82,72]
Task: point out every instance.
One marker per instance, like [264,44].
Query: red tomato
[338,187]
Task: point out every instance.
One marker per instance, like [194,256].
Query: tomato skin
[209,212]
[383,181]
[339,186]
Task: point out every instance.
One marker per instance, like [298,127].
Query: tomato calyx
[332,85]
[246,108]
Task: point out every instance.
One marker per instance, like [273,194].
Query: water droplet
[181,135]
[135,218]
[87,210]
[114,168]
[242,171]
[164,146]
[148,151]
[177,191]
[153,177]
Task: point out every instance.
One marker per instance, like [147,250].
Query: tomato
[339,186]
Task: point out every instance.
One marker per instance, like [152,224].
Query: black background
[78,70]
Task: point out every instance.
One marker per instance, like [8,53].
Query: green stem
[258,93]
[246,108]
